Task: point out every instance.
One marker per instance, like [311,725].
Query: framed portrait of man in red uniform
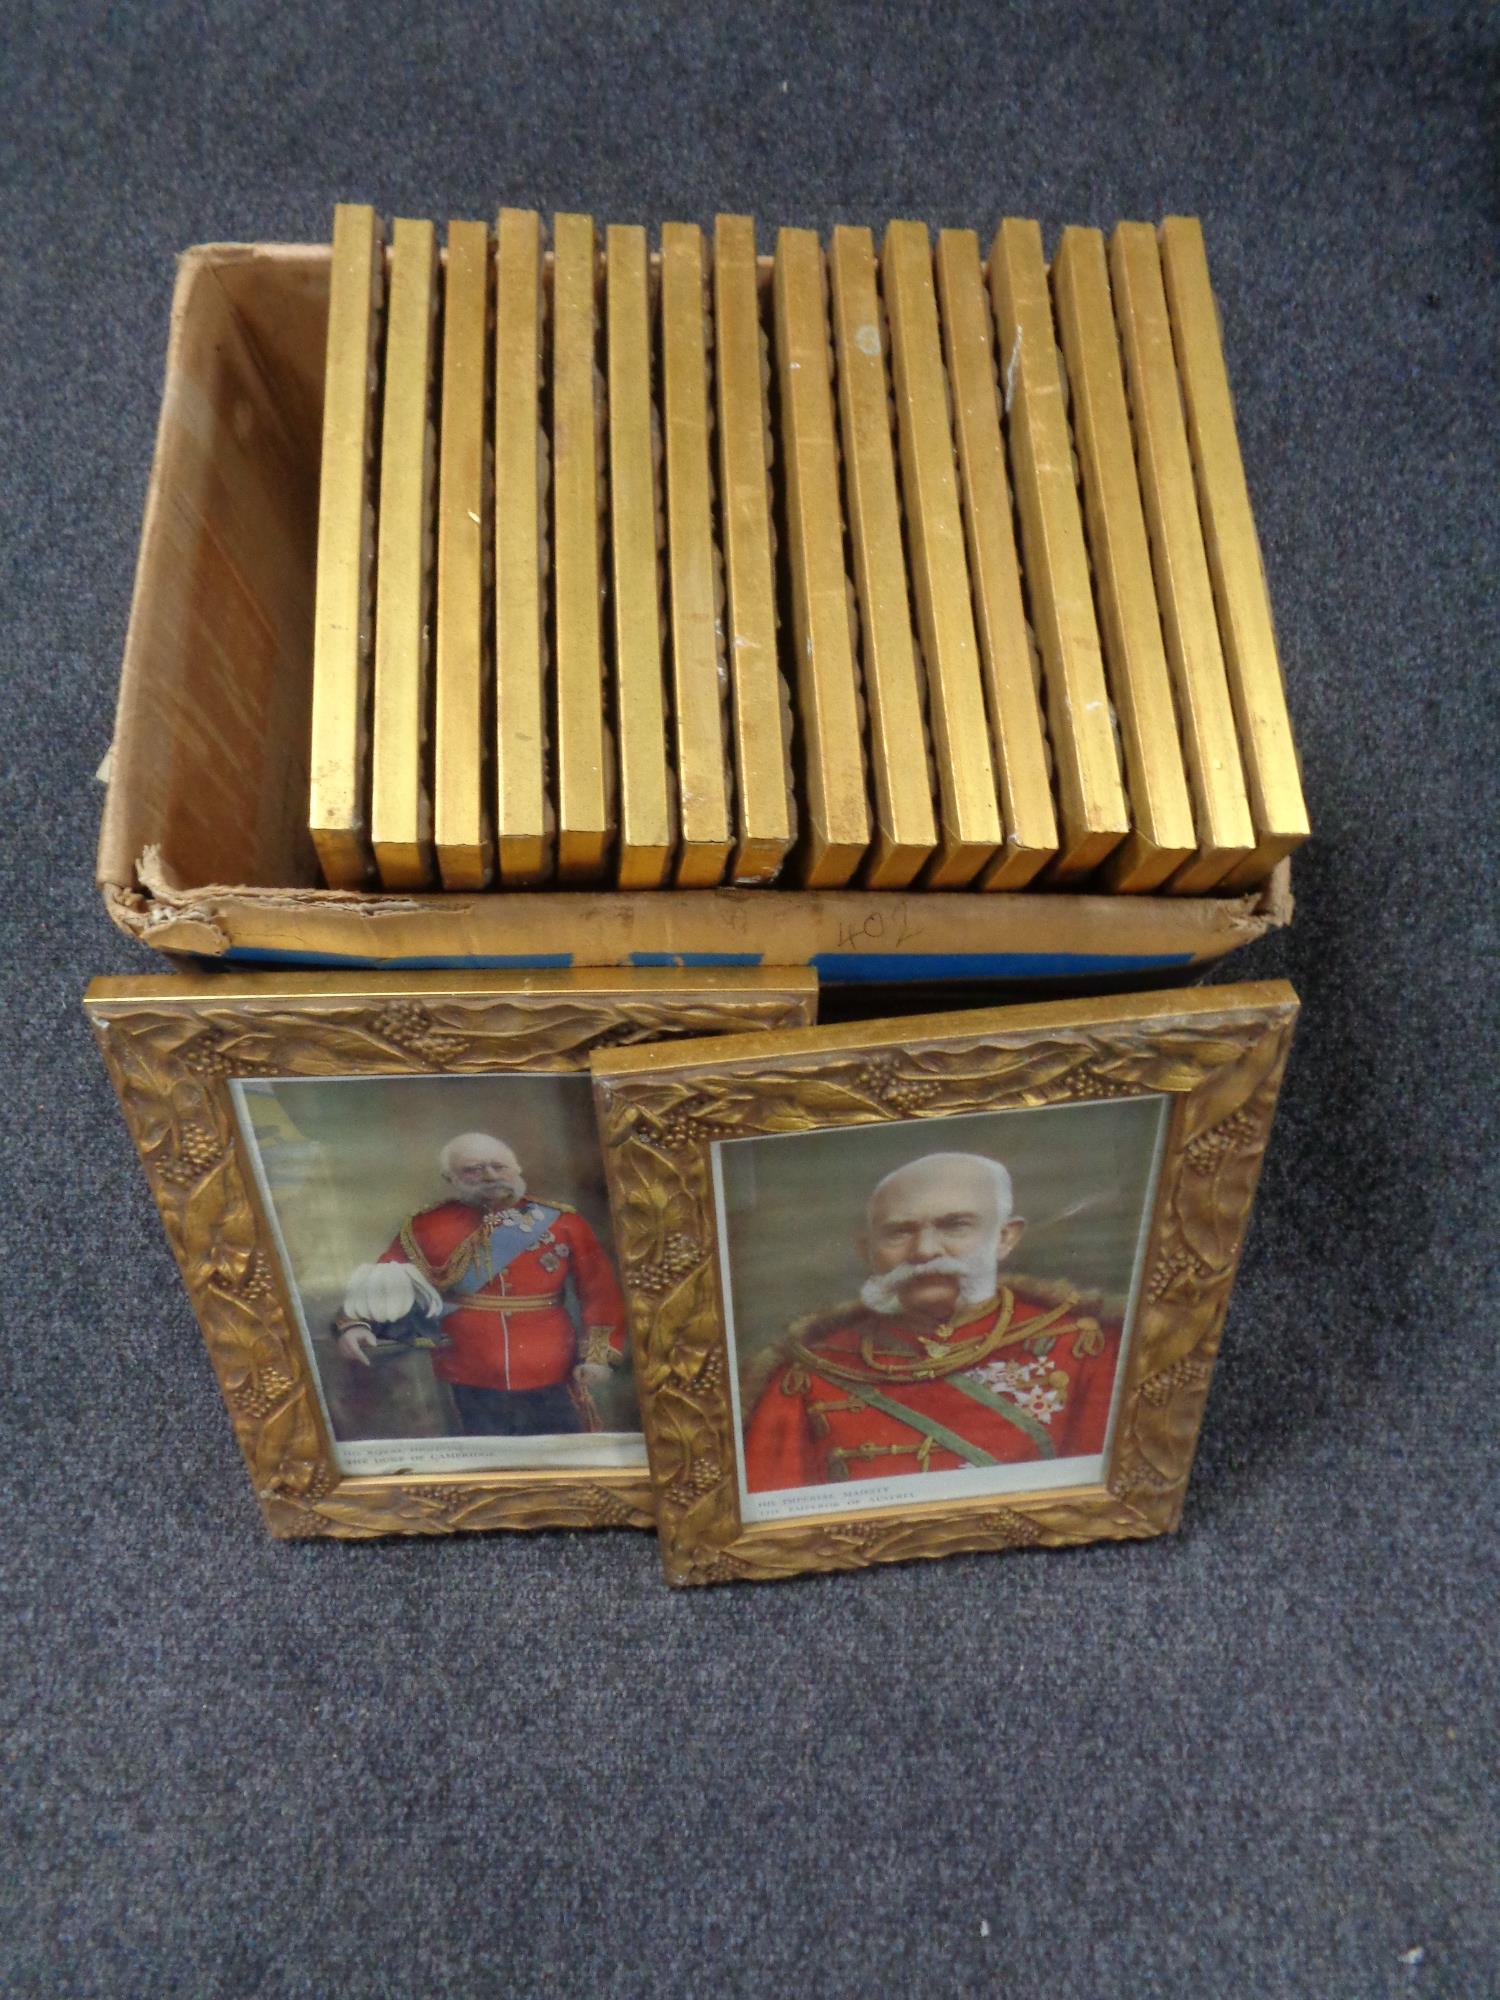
[954,1282]
[934,1364]
[447,1245]
[386,1196]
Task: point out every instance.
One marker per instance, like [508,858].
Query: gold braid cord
[909,1364]
[597,1348]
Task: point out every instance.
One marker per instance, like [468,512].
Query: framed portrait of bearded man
[386,1196]
[950,1283]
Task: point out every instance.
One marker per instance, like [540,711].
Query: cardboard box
[204,848]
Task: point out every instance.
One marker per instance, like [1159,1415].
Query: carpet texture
[1255,1758]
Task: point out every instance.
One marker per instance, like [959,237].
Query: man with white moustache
[942,1362]
[516,1297]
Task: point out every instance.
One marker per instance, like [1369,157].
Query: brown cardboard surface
[204,846]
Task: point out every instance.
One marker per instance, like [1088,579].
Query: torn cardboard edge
[849,936]
[216,677]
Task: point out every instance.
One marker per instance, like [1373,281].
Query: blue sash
[505,1245]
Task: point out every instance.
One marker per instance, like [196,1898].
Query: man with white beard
[517,1298]
[940,1364]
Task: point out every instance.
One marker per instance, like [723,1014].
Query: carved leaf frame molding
[1218,1054]
[173,1043]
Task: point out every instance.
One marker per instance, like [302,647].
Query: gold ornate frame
[173,1042]
[1217,1053]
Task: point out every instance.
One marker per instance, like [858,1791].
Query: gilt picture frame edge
[1221,1078]
[1011,1020]
[179,1108]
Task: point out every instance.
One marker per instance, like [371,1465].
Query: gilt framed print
[948,1283]
[387,1200]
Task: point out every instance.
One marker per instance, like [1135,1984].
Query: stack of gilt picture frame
[883,563]
[650,1248]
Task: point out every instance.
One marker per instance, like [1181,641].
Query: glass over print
[445,1241]
[932,1310]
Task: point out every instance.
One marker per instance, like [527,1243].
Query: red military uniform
[503,1275]
[867,1395]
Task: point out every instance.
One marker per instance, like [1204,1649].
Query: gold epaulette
[446,1274]
[413,1249]
[762,1368]
[1084,1310]
[1061,1291]
[828,1319]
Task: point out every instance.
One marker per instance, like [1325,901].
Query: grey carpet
[1257,1758]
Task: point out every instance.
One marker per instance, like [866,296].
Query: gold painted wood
[1161,836]
[906,832]
[1006,647]
[343,619]
[461,814]
[835,831]
[1091,799]
[584,749]
[1277,807]
[400,805]
[762,715]
[969,807]
[523,813]
[647,816]
[706,828]
[1184,591]
[1217,1053]
[172,1044]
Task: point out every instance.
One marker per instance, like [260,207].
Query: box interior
[204,846]
[217,671]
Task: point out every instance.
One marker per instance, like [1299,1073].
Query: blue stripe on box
[871,968]
[696,958]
